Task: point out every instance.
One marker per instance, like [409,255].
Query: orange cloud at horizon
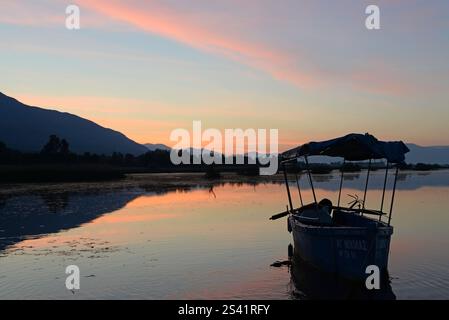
[109,113]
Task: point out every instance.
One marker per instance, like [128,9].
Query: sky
[310,69]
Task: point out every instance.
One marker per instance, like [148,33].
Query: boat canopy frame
[352,147]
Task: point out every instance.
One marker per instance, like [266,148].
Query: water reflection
[407,180]
[211,240]
[32,216]
[29,216]
[55,202]
[23,216]
[308,283]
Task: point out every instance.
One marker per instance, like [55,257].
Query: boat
[337,239]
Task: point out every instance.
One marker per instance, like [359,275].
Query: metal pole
[341,181]
[383,192]
[310,178]
[366,184]
[394,191]
[299,189]
[288,188]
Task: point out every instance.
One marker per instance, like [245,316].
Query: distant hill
[157,146]
[437,154]
[26,128]
[417,154]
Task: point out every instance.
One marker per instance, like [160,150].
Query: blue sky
[308,68]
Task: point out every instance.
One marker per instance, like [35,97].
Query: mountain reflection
[407,180]
[28,216]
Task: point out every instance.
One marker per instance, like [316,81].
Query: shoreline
[166,182]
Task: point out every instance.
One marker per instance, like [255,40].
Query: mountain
[417,154]
[157,146]
[26,128]
[437,154]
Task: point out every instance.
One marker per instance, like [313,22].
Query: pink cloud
[210,31]
[160,20]
[197,31]
[14,12]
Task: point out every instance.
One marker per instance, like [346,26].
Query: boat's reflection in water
[309,283]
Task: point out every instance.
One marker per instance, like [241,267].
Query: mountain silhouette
[418,154]
[435,154]
[157,146]
[27,129]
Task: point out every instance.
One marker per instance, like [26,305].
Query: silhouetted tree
[56,146]
[212,173]
[53,146]
[157,158]
[64,148]
[2,147]
[117,158]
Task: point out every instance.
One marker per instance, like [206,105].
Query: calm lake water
[205,243]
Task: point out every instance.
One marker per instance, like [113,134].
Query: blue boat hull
[343,250]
